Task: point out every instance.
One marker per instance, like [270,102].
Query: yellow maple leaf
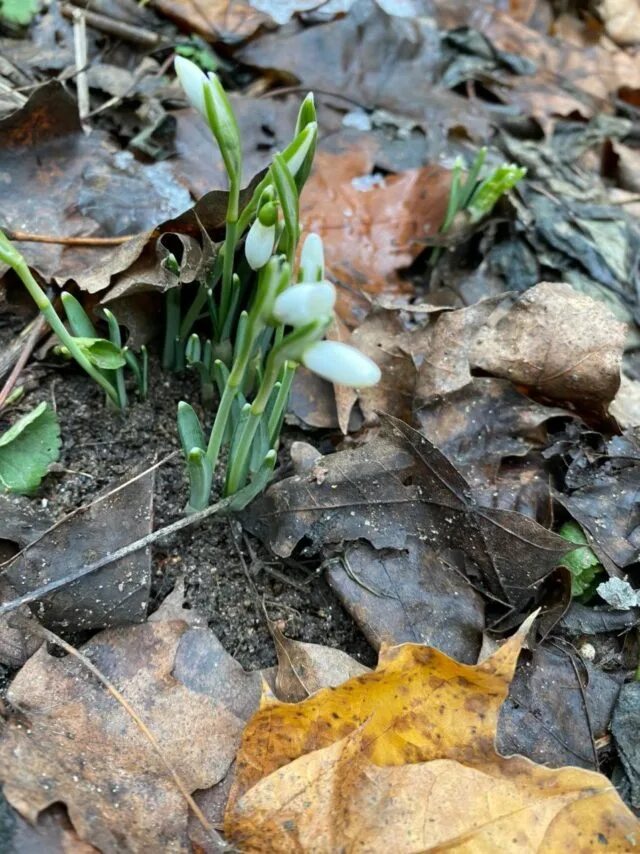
[404,759]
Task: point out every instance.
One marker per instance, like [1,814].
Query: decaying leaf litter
[431,510]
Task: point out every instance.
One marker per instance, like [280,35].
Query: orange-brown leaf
[404,759]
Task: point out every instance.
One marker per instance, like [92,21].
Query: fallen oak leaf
[343,767]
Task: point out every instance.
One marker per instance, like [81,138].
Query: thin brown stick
[144,729]
[28,237]
[29,343]
[118,29]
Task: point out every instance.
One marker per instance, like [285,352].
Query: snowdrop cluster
[269,322]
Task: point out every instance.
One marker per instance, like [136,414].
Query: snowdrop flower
[312,259]
[304,303]
[193,80]
[341,363]
[258,246]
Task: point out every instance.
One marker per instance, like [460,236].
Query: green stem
[45,306]
[171,329]
[277,413]
[238,464]
[220,424]
[230,241]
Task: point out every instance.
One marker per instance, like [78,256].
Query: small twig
[127,32]
[80,50]
[27,349]
[125,551]
[89,504]
[144,729]
[28,237]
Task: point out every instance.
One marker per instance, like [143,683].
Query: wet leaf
[421,723]
[557,702]
[409,595]
[605,504]
[401,486]
[28,448]
[54,177]
[81,748]
[112,596]
[323,57]
[563,345]
[371,228]
[624,727]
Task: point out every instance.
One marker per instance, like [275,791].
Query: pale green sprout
[101,358]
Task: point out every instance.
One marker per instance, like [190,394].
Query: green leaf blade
[28,448]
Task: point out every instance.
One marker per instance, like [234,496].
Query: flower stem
[44,304]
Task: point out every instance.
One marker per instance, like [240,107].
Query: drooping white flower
[258,246]
[340,363]
[312,259]
[193,80]
[304,303]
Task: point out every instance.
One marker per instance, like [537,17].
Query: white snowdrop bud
[258,246]
[312,259]
[304,303]
[295,153]
[193,80]
[341,363]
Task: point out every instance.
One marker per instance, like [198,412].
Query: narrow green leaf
[79,321]
[189,429]
[288,196]
[28,448]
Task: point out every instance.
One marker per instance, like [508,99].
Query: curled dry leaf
[560,343]
[304,668]
[421,723]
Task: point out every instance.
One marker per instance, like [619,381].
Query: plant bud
[193,81]
[340,363]
[304,303]
[258,246]
[312,259]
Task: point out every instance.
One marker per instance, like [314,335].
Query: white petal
[258,247]
[341,363]
[302,304]
[312,258]
[193,80]
[305,138]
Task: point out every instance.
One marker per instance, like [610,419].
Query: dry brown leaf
[557,341]
[73,743]
[343,769]
[229,20]
[304,668]
[370,229]
[621,20]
